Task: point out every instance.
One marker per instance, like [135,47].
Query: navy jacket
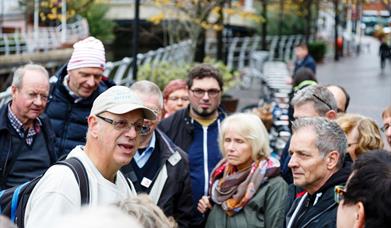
[175,196]
[6,156]
[308,62]
[189,135]
[69,119]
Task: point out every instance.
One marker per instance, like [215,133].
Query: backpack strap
[81,176]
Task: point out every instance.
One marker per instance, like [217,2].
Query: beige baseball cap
[120,100]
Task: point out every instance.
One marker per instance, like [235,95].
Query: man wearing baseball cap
[113,137]
[78,83]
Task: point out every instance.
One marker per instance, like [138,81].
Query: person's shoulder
[175,117]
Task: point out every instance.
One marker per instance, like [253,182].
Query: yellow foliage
[156,19]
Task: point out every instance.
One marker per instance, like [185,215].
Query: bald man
[341,97]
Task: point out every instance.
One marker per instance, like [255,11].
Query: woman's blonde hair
[250,127]
[369,137]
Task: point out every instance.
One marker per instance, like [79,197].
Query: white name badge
[146,182]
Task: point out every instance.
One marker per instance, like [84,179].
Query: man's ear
[332,159]
[93,126]
[14,90]
[360,219]
[331,115]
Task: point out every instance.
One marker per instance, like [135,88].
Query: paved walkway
[369,87]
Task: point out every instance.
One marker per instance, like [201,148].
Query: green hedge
[317,49]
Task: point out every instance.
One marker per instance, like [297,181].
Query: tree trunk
[336,19]
[264,24]
[219,35]
[199,53]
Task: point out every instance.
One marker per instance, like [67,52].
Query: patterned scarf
[233,189]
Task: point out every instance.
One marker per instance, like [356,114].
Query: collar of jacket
[168,150]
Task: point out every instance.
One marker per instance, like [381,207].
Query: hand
[204,204]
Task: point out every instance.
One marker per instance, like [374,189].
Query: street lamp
[136,23]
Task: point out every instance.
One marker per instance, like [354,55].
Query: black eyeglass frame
[210,92]
[129,126]
[323,101]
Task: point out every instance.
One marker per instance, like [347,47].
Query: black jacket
[179,128]
[69,119]
[175,197]
[320,209]
[6,158]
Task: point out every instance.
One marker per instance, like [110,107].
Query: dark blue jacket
[308,62]
[7,158]
[69,119]
[188,135]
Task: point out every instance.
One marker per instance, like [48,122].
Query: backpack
[13,201]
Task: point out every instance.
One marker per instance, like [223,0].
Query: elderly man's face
[119,143]
[205,96]
[29,101]
[387,128]
[84,81]
[309,167]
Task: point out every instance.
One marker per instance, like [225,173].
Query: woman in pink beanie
[176,96]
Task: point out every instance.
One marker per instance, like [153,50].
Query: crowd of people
[174,158]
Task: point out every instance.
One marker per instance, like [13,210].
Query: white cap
[120,100]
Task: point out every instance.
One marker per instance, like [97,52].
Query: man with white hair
[113,136]
[78,84]
[26,136]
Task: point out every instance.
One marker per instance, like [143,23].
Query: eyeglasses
[35,96]
[385,127]
[175,98]
[321,100]
[122,125]
[339,193]
[200,92]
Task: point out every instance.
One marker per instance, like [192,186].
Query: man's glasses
[321,100]
[175,98]
[339,193]
[200,92]
[122,125]
[385,127]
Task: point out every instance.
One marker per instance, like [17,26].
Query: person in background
[341,97]
[175,97]
[362,134]
[386,116]
[26,136]
[78,84]
[364,202]
[245,187]
[195,129]
[160,168]
[146,212]
[113,136]
[303,58]
[317,149]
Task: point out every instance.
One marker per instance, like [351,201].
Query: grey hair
[148,88]
[20,72]
[146,212]
[319,95]
[330,136]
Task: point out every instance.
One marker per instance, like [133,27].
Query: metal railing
[49,38]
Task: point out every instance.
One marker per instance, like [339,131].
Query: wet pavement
[369,86]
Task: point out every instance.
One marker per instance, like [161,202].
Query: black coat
[176,196]
[320,208]
[179,128]
[69,119]
[6,156]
